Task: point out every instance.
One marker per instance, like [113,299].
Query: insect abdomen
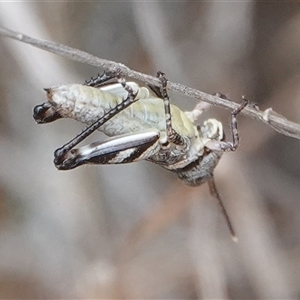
[82,103]
[87,104]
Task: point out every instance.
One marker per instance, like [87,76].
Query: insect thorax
[200,170]
[194,165]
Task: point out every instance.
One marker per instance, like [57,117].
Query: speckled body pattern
[194,163]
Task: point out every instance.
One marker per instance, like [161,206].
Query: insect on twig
[268,116]
[143,125]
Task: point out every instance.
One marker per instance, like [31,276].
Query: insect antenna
[214,192]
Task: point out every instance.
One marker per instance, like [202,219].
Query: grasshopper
[143,125]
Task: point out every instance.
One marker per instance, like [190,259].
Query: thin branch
[273,119]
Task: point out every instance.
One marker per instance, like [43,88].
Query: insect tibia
[173,135]
[218,144]
[100,79]
[234,129]
[131,92]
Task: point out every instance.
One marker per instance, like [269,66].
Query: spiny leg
[233,125]
[229,146]
[125,148]
[60,153]
[214,192]
[173,136]
[101,79]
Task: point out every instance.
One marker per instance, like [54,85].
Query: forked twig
[273,119]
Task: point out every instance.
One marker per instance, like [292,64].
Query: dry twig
[273,119]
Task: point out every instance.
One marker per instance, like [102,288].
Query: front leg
[229,146]
[126,148]
[173,136]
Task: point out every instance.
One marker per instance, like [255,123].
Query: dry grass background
[135,231]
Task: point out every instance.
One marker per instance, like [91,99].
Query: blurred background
[135,231]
